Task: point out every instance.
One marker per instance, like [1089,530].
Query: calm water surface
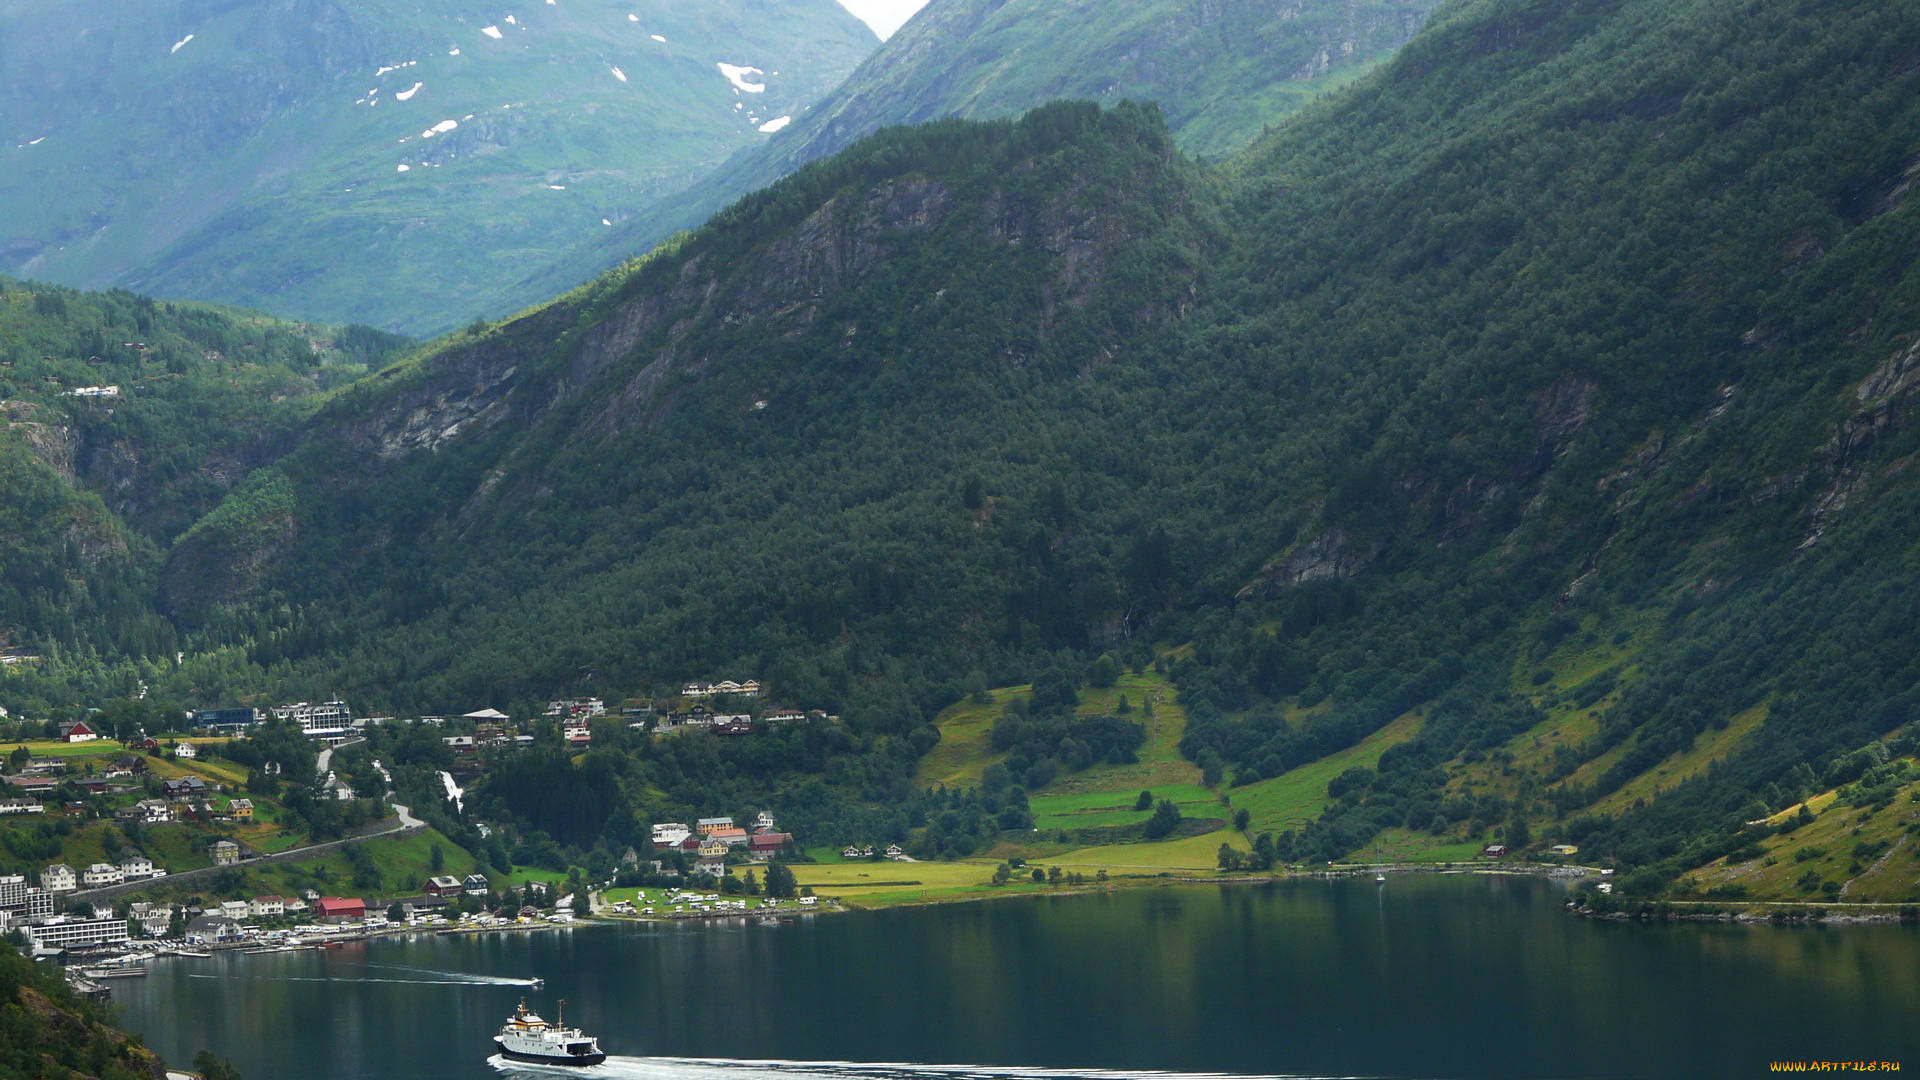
[1425,977]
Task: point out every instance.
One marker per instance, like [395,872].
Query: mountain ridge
[1219,74]
[1546,387]
[301,157]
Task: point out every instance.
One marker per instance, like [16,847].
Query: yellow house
[241,808]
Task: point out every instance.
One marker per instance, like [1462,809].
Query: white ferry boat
[526,1037]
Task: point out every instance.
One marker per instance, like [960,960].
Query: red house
[334,907]
[444,885]
[767,844]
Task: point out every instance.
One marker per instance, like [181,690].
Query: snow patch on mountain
[737,76]
[492,32]
[408,92]
[618,74]
[440,128]
[776,124]
[177,44]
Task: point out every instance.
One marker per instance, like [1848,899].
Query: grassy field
[1079,810]
[523,874]
[1399,845]
[1188,854]
[966,731]
[1291,799]
[1846,854]
[869,884]
[965,749]
[404,862]
[657,898]
[49,748]
[1710,747]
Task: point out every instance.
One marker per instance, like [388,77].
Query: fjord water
[1425,976]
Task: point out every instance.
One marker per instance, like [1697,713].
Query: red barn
[334,907]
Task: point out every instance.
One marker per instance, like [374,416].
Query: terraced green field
[1291,799]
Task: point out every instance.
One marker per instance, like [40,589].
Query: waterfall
[453,789]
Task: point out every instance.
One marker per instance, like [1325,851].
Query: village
[165,811]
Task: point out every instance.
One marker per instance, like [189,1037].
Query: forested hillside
[405,165]
[1545,398]
[124,421]
[1219,73]
[46,1030]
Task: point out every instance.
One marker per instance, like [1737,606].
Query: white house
[224,852]
[146,812]
[100,875]
[59,878]
[138,868]
[267,907]
[186,750]
[235,909]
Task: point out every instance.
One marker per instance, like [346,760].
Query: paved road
[405,824]
[326,757]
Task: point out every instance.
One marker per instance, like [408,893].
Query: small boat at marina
[527,1037]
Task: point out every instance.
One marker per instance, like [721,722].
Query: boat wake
[478,980]
[665,1068]
[460,976]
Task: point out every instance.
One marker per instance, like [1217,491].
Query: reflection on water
[642,1068]
[1439,978]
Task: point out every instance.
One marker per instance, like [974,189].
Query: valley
[1083,449]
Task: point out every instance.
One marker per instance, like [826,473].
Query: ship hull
[547,1059]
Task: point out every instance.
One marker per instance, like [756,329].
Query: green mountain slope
[123,422]
[287,156]
[51,1031]
[1527,428]
[1219,73]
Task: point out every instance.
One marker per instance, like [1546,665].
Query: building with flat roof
[229,721]
[56,934]
[327,719]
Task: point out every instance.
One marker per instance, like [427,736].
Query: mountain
[1537,412]
[395,164]
[1219,73]
[125,422]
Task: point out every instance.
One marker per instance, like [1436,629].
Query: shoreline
[1775,913]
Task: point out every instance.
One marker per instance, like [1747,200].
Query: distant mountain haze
[370,160]
[1219,73]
